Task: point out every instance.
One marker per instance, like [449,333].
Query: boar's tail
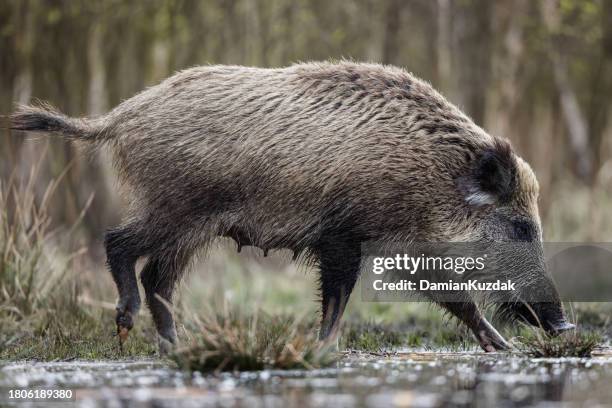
[45,118]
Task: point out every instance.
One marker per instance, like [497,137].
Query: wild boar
[316,158]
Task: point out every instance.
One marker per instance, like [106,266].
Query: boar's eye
[523,231]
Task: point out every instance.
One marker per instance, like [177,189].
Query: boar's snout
[561,327]
[537,301]
[547,315]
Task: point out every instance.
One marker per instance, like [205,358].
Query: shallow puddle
[403,379]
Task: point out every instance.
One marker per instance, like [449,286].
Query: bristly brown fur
[315,157]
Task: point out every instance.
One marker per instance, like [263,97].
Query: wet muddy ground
[403,379]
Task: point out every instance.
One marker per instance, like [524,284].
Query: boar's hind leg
[488,338]
[339,268]
[159,277]
[123,248]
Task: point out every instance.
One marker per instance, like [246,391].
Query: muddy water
[404,379]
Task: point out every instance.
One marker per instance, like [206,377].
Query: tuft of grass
[233,341]
[570,344]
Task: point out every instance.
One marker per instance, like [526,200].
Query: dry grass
[23,231]
[571,344]
[41,316]
[27,279]
[234,341]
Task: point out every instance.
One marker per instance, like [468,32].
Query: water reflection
[403,379]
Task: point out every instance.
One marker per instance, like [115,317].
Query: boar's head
[500,193]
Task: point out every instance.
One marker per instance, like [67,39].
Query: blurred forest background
[537,72]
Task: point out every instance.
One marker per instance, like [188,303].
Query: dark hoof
[490,340]
[166,347]
[502,345]
[124,320]
[491,345]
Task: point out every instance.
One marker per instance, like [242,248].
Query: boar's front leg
[467,312]
[339,269]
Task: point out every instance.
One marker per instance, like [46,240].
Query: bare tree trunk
[391,40]
[509,15]
[161,58]
[472,55]
[97,99]
[575,121]
[601,103]
[22,86]
[444,42]
[287,45]
[256,30]
[104,207]
[22,91]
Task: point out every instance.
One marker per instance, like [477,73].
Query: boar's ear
[493,177]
